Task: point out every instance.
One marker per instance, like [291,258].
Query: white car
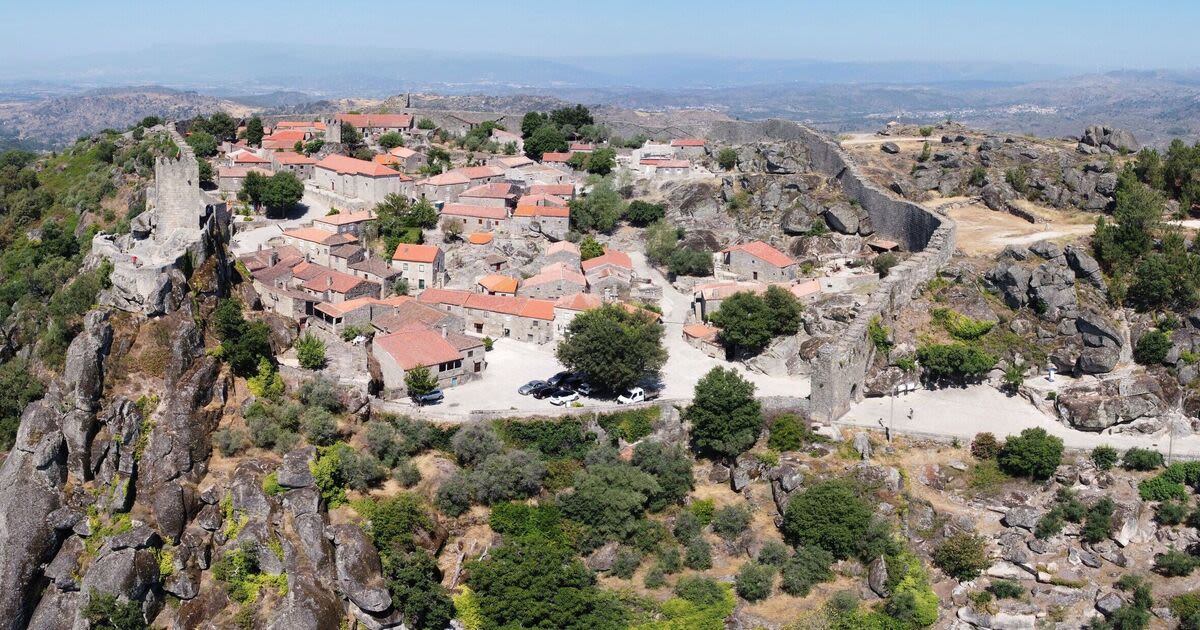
[563,396]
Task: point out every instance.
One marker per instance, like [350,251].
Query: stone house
[503,137]
[408,311]
[707,298]
[374,125]
[316,243]
[553,281]
[563,191]
[295,163]
[497,195]
[284,139]
[408,160]
[357,179]
[476,218]
[247,158]
[443,188]
[360,311]
[667,168]
[568,306]
[344,222]
[564,252]
[552,221]
[422,266]
[610,274]
[231,178]
[342,256]
[558,161]
[497,284]
[376,270]
[453,358]
[496,316]
[331,285]
[759,261]
[653,151]
[704,338]
[691,147]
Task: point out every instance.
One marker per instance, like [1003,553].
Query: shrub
[698,554]
[730,521]
[1098,522]
[641,213]
[1161,488]
[230,441]
[1171,512]
[474,443]
[670,560]
[880,336]
[726,418]
[1186,606]
[406,474]
[655,578]
[754,581]
[960,326]
[1142,459]
[925,131]
[631,425]
[1006,589]
[507,476]
[773,553]
[705,510]
[807,567]
[1152,348]
[626,562]
[788,433]
[610,498]
[727,158]
[985,446]
[1104,456]
[883,263]
[954,361]
[1049,525]
[671,468]
[319,426]
[553,438]
[1018,178]
[962,556]
[105,612]
[310,352]
[687,526]
[831,515]
[455,494]
[1174,563]
[1034,453]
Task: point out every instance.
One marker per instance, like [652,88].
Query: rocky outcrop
[1109,139]
[1099,405]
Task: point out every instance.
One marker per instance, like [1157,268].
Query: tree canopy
[254,131]
[726,419]
[831,515]
[615,348]
[749,321]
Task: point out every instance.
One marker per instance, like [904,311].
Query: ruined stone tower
[176,197]
[333,130]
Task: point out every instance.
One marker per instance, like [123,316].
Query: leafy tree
[954,361]
[426,124]
[420,381]
[474,443]
[391,140]
[105,612]
[1034,453]
[244,345]
[507,476]
[590,248]
[985,446]
[220,125]
[532,582]
[254,186]
[601,161]
[1152,348]
[312,146]
[531,122]
[547,139]
[745,322]
[414,580]
[351,139]
[609,498]
[731,521]
[686,261]
[962,556]
[788,433]
[727,158]
[310,352]
[698,554]
[206,173]
[613,347]
[807,567]
[725,417]
[1104,456]
[1137,218]
[831,515]
[671,468]
[754,581]
[203,143]
[599,210]
[642,213]
[1142,459]
[254,131]
[661,239]
[785,310]
[576,117]
[455,494]
[1175,563]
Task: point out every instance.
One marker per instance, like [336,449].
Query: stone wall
[841,365]
[176,193]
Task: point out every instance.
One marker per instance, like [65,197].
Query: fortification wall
[841,366]
[176,196]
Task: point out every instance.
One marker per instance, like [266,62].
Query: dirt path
[859,139]
[985,232]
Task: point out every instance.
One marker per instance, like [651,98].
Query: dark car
[432,398]
[528,388]
[542,391]
[559,379]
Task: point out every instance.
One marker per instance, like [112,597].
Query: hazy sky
[1089,35]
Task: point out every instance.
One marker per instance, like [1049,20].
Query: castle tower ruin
[176,197]
[333,130]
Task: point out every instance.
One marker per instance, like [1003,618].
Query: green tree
[426,124]
[351,139]
[609,499]
[956,361]
[18,387]
[254,186]
[105,612]
[962,556]
[1104,456]
[661,240]
[788,433]
[1137,218]
[547,139]
[599,210]
[746,322]
[220,125]
[576,117]
[831,515]
[254,131]
[206,173]
[531,122]
[754,581]
[1152,348]
[727,158]
[726,419]
[671,468]
[613,347]
[601,161]
[785,310]
[391,140]
[310,352]
[686,261]
[641,213]
[282,191]
[420,381]
[590,248]
[203,143]
[1034,453]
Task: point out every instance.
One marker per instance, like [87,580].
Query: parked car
[584,389]
[528,388]
[637,395]
[432,398]
[563,396]
[559,379]
[542,391]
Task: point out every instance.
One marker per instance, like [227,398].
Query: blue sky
[1088,35]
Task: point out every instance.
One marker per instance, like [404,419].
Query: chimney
[273,258]
[443,331]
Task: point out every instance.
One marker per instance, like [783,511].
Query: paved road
[964,412]
[250,240]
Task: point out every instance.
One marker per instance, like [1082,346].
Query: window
[421,283]
[406,266]
[421,268]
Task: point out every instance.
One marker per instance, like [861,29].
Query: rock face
[1095,406]
[1109,139]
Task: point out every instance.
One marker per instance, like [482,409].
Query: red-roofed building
[316,243]
[476,217]
[422,266]
[553,221]
[375,125]
[563,252]
[443,188]
[566,191]
[689,146]
[757,260]
[410,161]
[357,179]
[496,316]
[554,281]
[582,147]
[453,358]
[248,158]
[284,139]
[299,165]
[704,338]
[480,175]
[542,200]
[557,160]
[496,284]
[500,195]
[329,285]
[610,274]
[568,306]
[659,167]
[707,298]
[231,178]
[344,222]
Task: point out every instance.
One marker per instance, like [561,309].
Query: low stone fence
[448,415]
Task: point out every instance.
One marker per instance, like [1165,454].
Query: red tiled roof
[317,235]
[247,157]
[261,259]
[416,346]
[416,253]
[558,190]
[490,191]
[240,171]
[291,124]
[289,136]
[402,152]
[406,313]
[515,161]
[333,280]
[700,331]
[339,309]
[498,283]
[278,145]
[671,164]
[480,238]
[541,211]
[542,200]
[556,272]
[582,147]
[368,121]
[480,172]
[764,252]
[688,142]
[722,290]
[346,218]
[610,257]
[449,178]
[468,210]
[519,306]
[562,246]
[806,288]
[291,157]
[579,302]
[385,159]
[556,157]
[346,164]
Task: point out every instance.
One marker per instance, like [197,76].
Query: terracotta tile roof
[558,190]
[497,190]
[579,302]
[416,346]
[416,253]
[468,210]
[369,121]
[543,200]
[334,280]
[402,152]
[291,157]
[610,257]
[638,310]
[278,145]
[700,331]
[480,172]
[582,147]
[449,178]
[385,159]
[671,164]
[722,290]
[556,272]
[246,157]
[286,267]
[688,142]
[541,211]
[498,283]
[515,161]
[480,238]
[763,252]
[344,164]
[317,235]
[345,218]
[241,171]
[563,246]
[344,251]
[407,313]
[519,306]
[290,136]
[340,309]
[261,259]
[292,124]
[555,157]
[804,289]
[376,267]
